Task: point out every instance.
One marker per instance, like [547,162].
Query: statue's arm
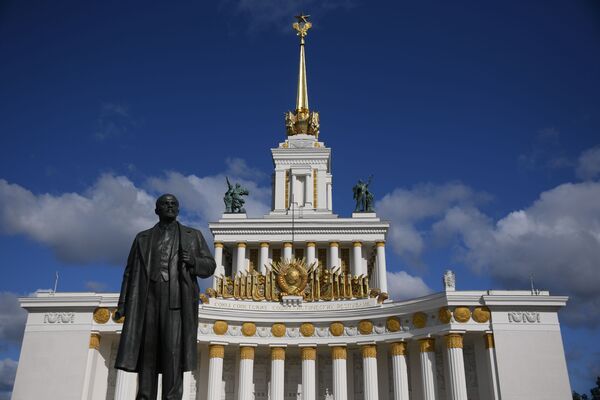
[125,283]
[204,265]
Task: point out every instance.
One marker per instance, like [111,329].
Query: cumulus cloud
[402,286]
[12,320]
[411,211]
[99,224]
[588,164]
[8,371]
[557,239]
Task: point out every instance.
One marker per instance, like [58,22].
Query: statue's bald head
[167,207]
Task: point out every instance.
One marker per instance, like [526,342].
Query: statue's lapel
[187,238]
[145,243]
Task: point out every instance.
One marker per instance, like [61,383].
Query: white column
[456,367]
[241,258]
[277,372]
[293,199]
[428,371]
[126,385]
[287,251]
[329,197]
[310,253]
[400,370]
[370,383]
[188,382]
[490,348]
[381,268]
[357,266]
[264,258]
[90,370]
[308,190]
[220,270]
[309,356]
[216,353]
[333,255]
[245,382]
[340,380]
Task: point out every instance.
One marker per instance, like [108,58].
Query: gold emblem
[220,327]
[336,329]
[118,321]
[392,324]
[248,328]
[278,329]
[292,276]
[307,329]
[419,320]
[462,314]
[365,327]
[481,314]
[444,315]
[101,315]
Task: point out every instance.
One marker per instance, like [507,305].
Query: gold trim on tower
[287,188]
[315,189]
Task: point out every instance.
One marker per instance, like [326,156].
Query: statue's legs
[161,348]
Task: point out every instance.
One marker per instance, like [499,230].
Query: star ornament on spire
[303,25]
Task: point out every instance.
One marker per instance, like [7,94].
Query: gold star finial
[302,18]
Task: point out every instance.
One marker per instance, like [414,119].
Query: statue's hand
[187,258]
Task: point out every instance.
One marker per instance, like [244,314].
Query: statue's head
[167,207]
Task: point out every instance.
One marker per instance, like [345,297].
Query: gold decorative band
[380,244]
[277,353]
[311,244]
[264,244]
[454,341]
[247,353]
[287,244]
[338,352]
[218,245]
[427,345]
[334,244]
[216,351]
[489,341]
[309,353]
[95,341]
[357,244]
[398,349]
[241,245]
[369,351]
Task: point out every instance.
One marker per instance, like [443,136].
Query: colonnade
[453,346]
[356,267]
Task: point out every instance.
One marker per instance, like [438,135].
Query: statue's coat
[183,285]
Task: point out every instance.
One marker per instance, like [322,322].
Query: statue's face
[167,206]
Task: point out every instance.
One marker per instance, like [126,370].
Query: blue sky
[480,123]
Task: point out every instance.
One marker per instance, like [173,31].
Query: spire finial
[302,121]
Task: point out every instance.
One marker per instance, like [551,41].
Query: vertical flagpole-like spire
[302,27]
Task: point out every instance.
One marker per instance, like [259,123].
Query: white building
[299,310]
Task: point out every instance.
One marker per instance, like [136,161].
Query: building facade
[298,309]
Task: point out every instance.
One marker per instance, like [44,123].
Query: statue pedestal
[292,301]
[370,215]
[234,216]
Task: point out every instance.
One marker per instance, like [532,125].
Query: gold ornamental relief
[277,353]
[101,315]
[392,324]
[248,328]
[309,353]
[369,351]
[220,327]
[336,329]
[118,321]
[247,353]
[398,349]
[307,329]
[278,329]
[462,314]
[338,352]
[427,345]
[216,351]
[365,327]
[419,320]
[489,340]
[292,276]
[95,341]
[481,314]
[444,315]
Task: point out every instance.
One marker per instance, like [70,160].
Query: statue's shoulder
[145,233]
[189,229]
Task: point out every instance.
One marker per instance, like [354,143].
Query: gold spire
[302,27]
[302,121]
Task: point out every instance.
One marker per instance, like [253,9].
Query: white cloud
[8,371]
[99,224]
[588,165]
[409,210]
[402,286]
[12,320]
[557,239]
